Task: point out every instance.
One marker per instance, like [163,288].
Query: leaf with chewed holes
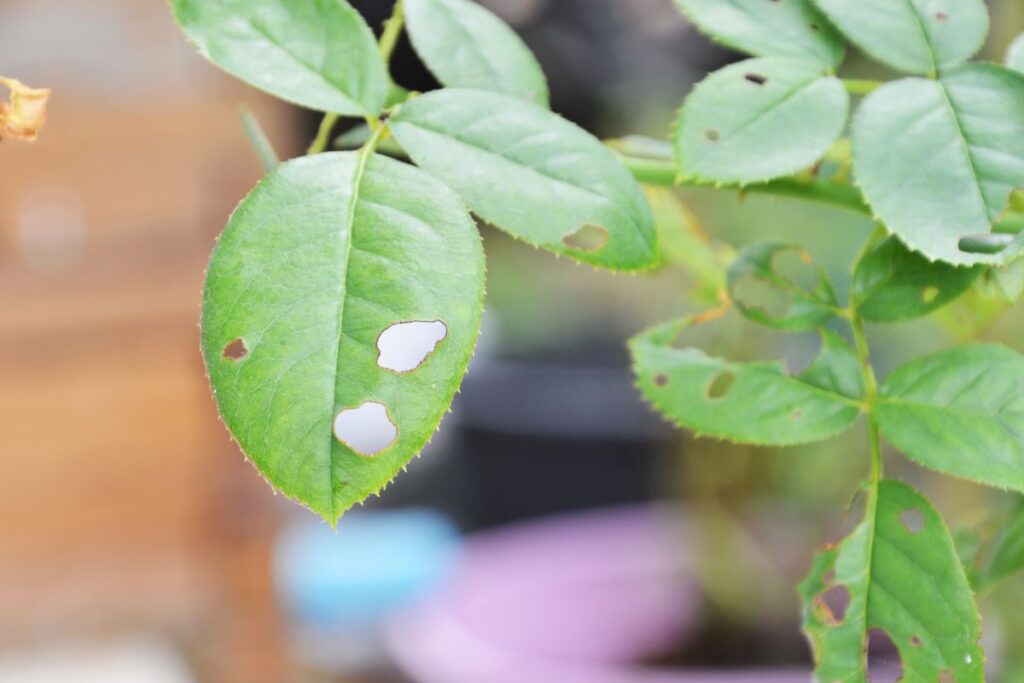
[753,403]
[341,308]
[899,574]
[1015,55]
[921,37]
[466,46]
[960,412]
[938,160]
[315,53]
[776,28]
[759,119]
[800,306]
[531,173]
[892,283]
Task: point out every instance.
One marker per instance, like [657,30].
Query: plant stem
[870,392]
[392,29]
[323,136]
[663,172]
[258,139]
[856,86]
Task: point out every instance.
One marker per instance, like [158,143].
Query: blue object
[374,564]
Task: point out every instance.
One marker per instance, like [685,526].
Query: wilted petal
[24,115]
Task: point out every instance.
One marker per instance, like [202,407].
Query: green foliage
[802,307]
[937,160]
[316,53]
[780,29]
[900,574]
[755,403]
[760,119]
[466,46]
[532,174]
[920,37]
[332,256]
[961,412]
[892,283]
[1015,56]
[325,255]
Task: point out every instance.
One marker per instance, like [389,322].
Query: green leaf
[324,258]
[315,53]
[759,119]
[1015,56]
[793,28]
[900,574]
[960,412]
[754,403]
[785,303]
[915,36]
[892,283]
[1005,282]
[1007,555]
[937,160]
[466,46]
[531,173]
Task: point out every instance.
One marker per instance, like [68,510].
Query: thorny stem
[386,46]
[664,172]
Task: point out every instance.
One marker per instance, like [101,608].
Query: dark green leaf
[892,283]
[793,28]
[960,412]
[466,46]
[323,259]
[1007,555]
[316,53]
[531,173]
[755,403]
[937,160]
[786,303]
[916,36]
[898,573]
[759,119]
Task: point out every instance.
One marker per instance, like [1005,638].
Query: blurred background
[555,529]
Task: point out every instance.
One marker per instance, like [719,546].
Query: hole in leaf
[912,520]
[836,601]
[404,346]
[884,662]
[661,380]
[367,430]
[756,79]
[713,135]
[236,350]
[720,385]
[797,266]
[929,294]
[947,676]
[968,659]
[587,238]
[755,293]
[986,243]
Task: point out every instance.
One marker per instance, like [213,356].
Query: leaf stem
[392,30]
[860,340]
[323,135]
[856,86]
[258,139]
[663,172]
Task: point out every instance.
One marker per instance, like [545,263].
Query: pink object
[568,600]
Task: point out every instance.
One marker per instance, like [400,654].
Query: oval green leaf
[960,412]
[892,284]
[318,54]
[466,46]
[759,119]
[800,306]
[1015,55]
[786,28]
[323,258]
[938,160]
[531,173]
[915,36]
[753,403]
[898,573]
